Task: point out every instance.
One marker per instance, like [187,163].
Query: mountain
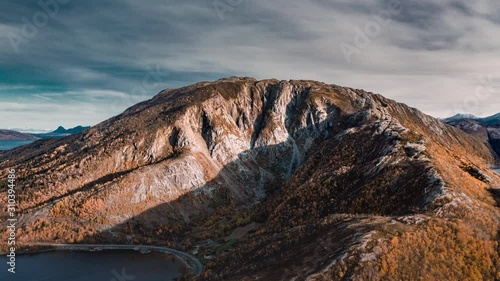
[487,129]
[471,127]
[461,117]
[61,132]
[271,180]
[71,131]
[493,120]
[490,121]
[8,135]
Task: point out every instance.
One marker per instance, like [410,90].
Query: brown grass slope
[428,181]
[346,184]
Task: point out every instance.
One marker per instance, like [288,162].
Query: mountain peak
[71,131]
[489,120]
[301,160]
[60,130]
[461,116]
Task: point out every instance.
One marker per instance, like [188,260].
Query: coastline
[189,261]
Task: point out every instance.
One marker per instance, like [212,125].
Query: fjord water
[8,145]
[92,266]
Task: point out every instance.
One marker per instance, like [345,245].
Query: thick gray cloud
[98,57]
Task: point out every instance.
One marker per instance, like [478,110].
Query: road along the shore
[191,262]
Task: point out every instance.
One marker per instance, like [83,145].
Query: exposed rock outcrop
[309,160]
[487,129]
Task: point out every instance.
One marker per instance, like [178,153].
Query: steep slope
[172,145]
[403,197]
[487,128]
[313,166]
[471,127]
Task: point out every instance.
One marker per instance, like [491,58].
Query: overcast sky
[81,62]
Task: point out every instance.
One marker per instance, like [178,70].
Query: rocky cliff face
[178,142]
[306,160]
[471,127]
[487,129]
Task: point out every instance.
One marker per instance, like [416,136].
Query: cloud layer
[86,61]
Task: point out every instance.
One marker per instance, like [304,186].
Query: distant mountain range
[493,120]
[9,135]
[487,128]
[61,132]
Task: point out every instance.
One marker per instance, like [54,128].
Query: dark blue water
[92,266]
[8,145]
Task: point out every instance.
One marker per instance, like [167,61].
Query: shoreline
[189,261]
